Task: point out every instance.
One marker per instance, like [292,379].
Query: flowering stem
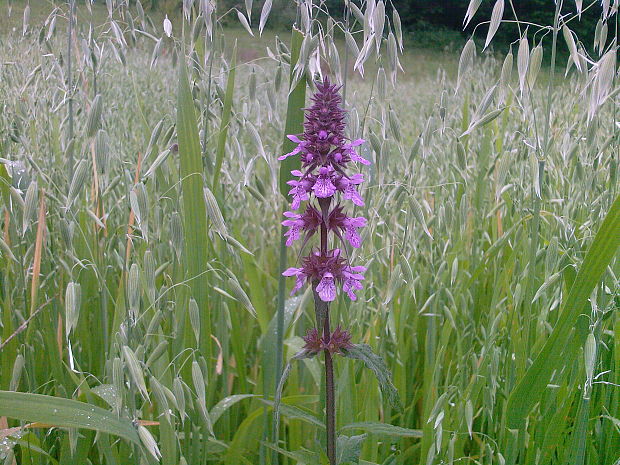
[325,153]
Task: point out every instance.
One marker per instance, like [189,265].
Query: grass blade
[225,122]
[64,413]
[194,207]
[532,386]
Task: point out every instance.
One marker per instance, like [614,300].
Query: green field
[139,278]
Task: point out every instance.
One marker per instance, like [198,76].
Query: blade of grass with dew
[64,413]
[193,206]
[532,386]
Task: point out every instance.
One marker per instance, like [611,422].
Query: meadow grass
[143,282]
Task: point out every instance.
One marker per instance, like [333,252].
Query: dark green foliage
[447,16]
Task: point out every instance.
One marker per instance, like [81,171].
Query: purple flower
[340,222]
[327,288]
[301,189]
[300,148]
[323,185]
[309,222]
[353,280]
[349,190]
[299,274]
[324,271]
[325,153]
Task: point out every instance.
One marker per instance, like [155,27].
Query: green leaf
[297,413]
[348,449]
[194,207]
[224,122]
[64,413]
[563,341]
[383,429]
[218,410]
[375,363]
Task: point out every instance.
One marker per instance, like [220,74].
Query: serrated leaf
[377,365]
[348,449]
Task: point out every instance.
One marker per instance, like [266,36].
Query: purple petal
[295,151]
[357,269]
[297,140]
[356,179]
[291,272]
[324,187]
[327,288]
[351,285]
[358,158]
[358,222]
[353,237]
[293,235]
[351,194]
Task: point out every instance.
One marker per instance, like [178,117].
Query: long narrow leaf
[64,413]
[224,122]
[531,388]
[194,208]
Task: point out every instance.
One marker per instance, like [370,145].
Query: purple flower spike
[325,154]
